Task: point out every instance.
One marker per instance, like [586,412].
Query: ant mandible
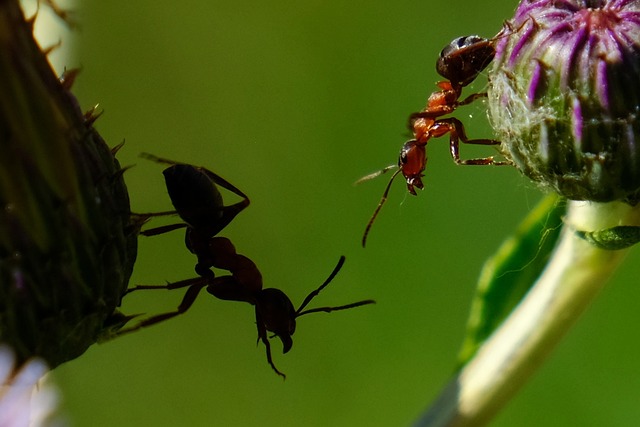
[460,63]
[274,310]
[198,202]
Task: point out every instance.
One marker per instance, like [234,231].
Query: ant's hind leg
[457,132]
[188,300]
[163,229]
[169,286]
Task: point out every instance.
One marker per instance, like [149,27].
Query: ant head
[275,313]
[412,161]
[462,60]
[275,310]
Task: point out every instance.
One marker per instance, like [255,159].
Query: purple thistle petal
[564,96]
[602,84]
[577,120]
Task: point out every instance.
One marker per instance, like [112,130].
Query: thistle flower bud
[564,96]
[67,240]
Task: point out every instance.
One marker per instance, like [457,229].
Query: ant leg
[469,99]
[188,300]
[262,336]
[457,132]
[144,217]
[152,214]
[168,286]
[226,184]
[163,229]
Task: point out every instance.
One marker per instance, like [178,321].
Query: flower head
[68,240]
[564,96]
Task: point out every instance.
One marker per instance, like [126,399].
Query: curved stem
[574,275]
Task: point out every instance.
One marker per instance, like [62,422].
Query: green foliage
[614,238]
[511,272]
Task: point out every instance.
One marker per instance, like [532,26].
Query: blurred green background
[292,102]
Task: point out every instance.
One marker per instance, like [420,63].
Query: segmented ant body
[460,63]
[274,310]
[198,202]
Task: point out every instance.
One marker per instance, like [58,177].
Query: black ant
[460,63]
[198,202]
[273,308]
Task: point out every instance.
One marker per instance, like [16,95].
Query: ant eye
[469,41]
[403,157]
[460,41]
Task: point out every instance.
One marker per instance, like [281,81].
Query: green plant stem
[576,272]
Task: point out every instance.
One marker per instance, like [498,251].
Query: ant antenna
[156,159]
[375,174]
[375,213]
[313,294]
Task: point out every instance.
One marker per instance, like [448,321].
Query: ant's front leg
[195,286]
[457,133]
[469,99]
[262,336]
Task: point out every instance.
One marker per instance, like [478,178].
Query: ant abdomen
[462,60]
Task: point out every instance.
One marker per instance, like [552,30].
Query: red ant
[460,63]
[273,308]
[198,202]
